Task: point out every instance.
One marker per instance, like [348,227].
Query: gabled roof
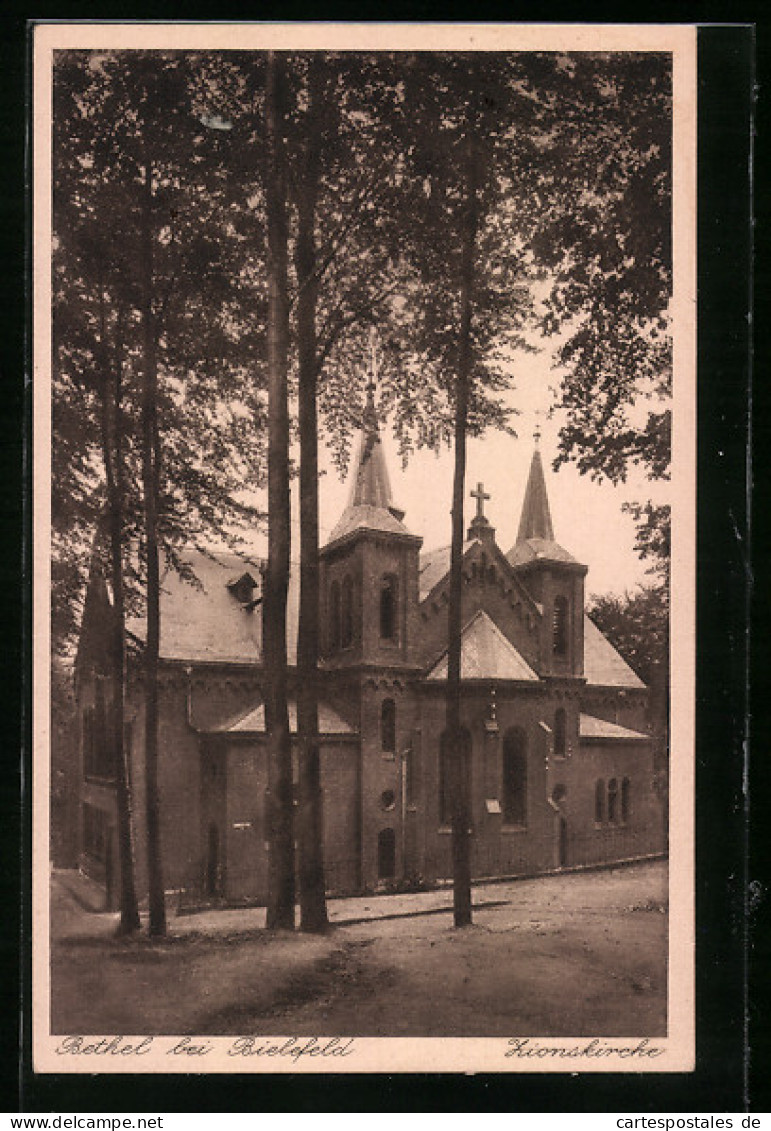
[602,663]
[253,722]
[591,729]
[486,654]
[433,566]
[204,622]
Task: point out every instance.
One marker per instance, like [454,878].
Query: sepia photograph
[364,551]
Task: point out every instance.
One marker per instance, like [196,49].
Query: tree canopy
[574,237]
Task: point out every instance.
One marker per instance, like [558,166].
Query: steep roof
[203,621]
[370,506]
[485,654]
[538,549]
[366,517]
[535,520]
[591,729]
[602,663]
[433,566]
[535,537]
[253,722]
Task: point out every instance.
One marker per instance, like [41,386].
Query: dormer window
[242,589]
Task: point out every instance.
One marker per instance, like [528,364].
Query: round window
[387,799]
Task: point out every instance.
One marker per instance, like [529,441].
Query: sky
[587,516]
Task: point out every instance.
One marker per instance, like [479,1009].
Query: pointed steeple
[371,486]
[536,516]
[369,504]
[535,537]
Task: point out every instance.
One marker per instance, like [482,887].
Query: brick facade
[560,767]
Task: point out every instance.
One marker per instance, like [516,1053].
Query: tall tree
[151,472]
[88,340]
[281,867]
[474,257]
[461,815]
[313,910]
[140,174]
[113,457]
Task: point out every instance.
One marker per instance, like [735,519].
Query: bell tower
[369,566]
[553,578]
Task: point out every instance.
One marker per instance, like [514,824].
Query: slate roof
[370,506]
[591,729]
[366,517]
[535,521]
[253,722]
[535,535]
[538,549]
[205,622]
[486,654]
[432,568]
[602,663]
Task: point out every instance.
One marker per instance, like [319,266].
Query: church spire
[371,486]
[369,504]
[536,517]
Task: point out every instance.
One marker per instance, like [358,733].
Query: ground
[563,955]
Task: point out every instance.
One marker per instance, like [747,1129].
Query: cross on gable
[480,496]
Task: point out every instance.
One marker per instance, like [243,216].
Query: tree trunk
[112,452]
[150,483]
[461,808]
[281,879]
[313,908]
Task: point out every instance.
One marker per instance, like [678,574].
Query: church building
[555,723]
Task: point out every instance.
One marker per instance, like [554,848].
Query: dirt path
[566,955]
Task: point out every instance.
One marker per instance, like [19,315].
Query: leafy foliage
[604,233]
[117,115]
[653,540]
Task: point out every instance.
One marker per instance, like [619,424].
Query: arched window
[515,777]
[386,854]
[447,777]
[346,630]
[599,801]
[388,604]
[388,726]
[560,733]
[560,626]
[334,616]
[612,801]
[626,799]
